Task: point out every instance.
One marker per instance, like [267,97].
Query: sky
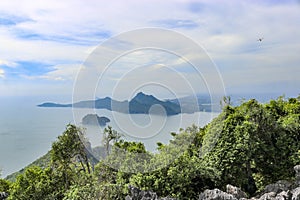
[46,45]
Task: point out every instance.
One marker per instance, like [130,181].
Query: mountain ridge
[139,104]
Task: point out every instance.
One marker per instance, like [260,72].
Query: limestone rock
[278,187]
[216,194]
[283,195]
[297,171]
[3,195]
[268,196]
[296,194]
[235,191]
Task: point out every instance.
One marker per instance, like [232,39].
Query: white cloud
[55,31]
[8,63]
[39,51]
[2,73]
[63,72]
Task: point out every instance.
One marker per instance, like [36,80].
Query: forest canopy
[249,146]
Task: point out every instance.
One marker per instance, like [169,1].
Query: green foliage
[68,168]
[107,179]
[257,144]
[4,185]
[178,170]
[126,158]
[70,149]
[110,135]
[36,184]
[134,147]
[185,178]
[248,146]
[85,188]
[226,101]
[69,154]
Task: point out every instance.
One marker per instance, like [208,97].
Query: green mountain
[251,146]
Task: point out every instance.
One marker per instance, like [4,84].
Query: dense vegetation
[248,146]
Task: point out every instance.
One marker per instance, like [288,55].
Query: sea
[27,131]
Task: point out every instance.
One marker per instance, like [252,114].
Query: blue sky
[44,43]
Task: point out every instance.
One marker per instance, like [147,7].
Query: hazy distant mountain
[49,104]
[197,103]
[94,119]
[140,104]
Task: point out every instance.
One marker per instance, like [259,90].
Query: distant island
[142,103]
[94,119]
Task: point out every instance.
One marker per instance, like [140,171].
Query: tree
[4,185]
[180,172]
[35,184]
[68,167]
[87,187]
[257,144]
[110,135]
[226,101]
[69,154]
[242,143]
[250,146]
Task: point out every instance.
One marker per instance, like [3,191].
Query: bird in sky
[260,39]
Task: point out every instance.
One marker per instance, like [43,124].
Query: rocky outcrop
[278,187]
[296,194]
[281,190]
[3,195]
[137,194]
[216,194]
[236,192]
[297,171]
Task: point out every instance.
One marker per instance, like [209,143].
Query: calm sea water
[27,131]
